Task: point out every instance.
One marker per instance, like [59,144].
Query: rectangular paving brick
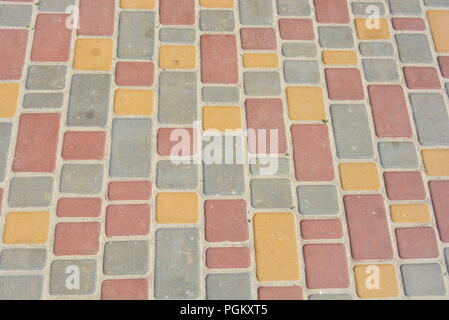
[5,137]
[128,220]
[21,287]
[439,24]
[219,62]
[124,289]
[81,178]
[52,40]
[84,145]
[136,35]
[312,153]
[439,191]
[30,192]
[129,190]
[12,53]
[256,12]
[76,238]
[228,286]
[79,207]
[37,142]
[55,5]
[126,257]
[321,229]
[281,293]
[332,11]
[23,259]
[97,18]
[258,38]
[177,12]
[228,258]
[15,16]
[177,264]
[368,227]
[58,277]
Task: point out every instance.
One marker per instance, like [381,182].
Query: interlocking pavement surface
[93,206]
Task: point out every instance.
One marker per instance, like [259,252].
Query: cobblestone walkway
[352,204]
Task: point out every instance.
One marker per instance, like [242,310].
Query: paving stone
[360,176]
[5,137]
[417,243]
[43,77]
[414,48]
[128,73]
[55,5]
[436,162]
[79,207]
[226,286]
[26,228]
[185,147]
[136,35]
[365,8]
[125,258]
[23,259]
[81,178]
[220,94]
[10,93]
[437,3]
[398,155]
[62,271]
[281,293]
[296,29]
[431,118]
[129,190]
[317,229]
[405,7]
[228,258]
[310,200]
[376,49]
[223,179]
[43,100]
[127,220]
[177,35]
[12,53]
[350,89]
[337,296]
[299,50]
[408,24]
[175,87]
[444,66]
[353,137]
[89,100]
[84,145]
[258,38]
[96,18]
[93,54]
[422,279]
[177,12]
[271,193]
[270,166]
[124,289]
[293,7]
[336,37]
[301,72]
[21,287]
[76,238]
[380,70]
[15,15]
[217,20]
[256,12]
[331,11]
[422,78]
[177,207]
[262,83]
[404,185]
[131,158]
[30,192]
[176,176]
[177,264]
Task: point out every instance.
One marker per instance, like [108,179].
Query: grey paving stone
[173,88]
[431,118]
[135,35]
[30,192]
[414,48]
[397,155]
[223,179]
[380,70]
[256,12]
[299,50]
[177,35]
[55,5]
[376,49]
[405,7]
[125,258]
[422,279]
[336,37]
[21,287]
[220,94]
[301,72]
[23,259]
[228,286]
[81,178]
[437,3]
[363,8]
[89,100]
[176,176]
[293,7]
[63,276]
[5,137]
[45,77]
[446,258]
[271,193]
[177,264]
[262,83]
[223,149]
[15,15]
[270,166]
[353,137]
[43,100]
[131,148]
[337,296]
[217,20]
[310,199]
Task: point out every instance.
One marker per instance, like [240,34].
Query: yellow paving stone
[439,25]
[93,54]
[374,281]
[134,102]
[177,207]
[222,118]
[9,98]
[177,57]
[340,58]
[306,103]
[26,228]
[260,60]
[410,213]
[360,176]
[276,246]
[365,33]
[217,3]
[436,161]
[137,4]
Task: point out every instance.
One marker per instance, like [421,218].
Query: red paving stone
[129,190]
[128,220]
[416,243]
[258,38]
[79,207]
[321,229]
[177,12]
[134,73]
[439,191]
[408,24]
[312,153]
[331,11]
[124,289]
[84,145]
[228,258]
[444,66]
[296,29]
[168,138]
[12,53]
[344,84]
[77,238]
[368,227]
[280,293]
[422,78]
[37,142]
[97,18]
[391,118]
[406,185]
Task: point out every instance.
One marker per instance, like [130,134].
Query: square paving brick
[302,72]
[404,185]
[398,155]
[414,48]
[271,193]
[235,286]
[296,29]
[125,258]
[21,287]
[176,176]
[310,200]
[293,7]
[270,166]
[128,220]
[217,20]
[262,83]
[60,273]
[350,89]
[258,38]
[30,192]
[256,12]
[81,178]
[228,258]
[444,66]
[422,279]
[136,35]
[26,228]
[129,190]
[223,179]
[380,70]
[421,78]
[134,73]
[417,243]
[76,238]
[331,11]
[84,145]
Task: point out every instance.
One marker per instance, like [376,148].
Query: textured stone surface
[42,77]
[62,269]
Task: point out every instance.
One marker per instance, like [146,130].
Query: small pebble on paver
[336,37]
[30,192]
[398,155]
[262,83]
[15,15]
[41,77]
[135,35]
[380,70]
[414,48]
[220,94]
[422,279]
[125,258]
[60,273]
[21,287]
[299,50]
[271,193]
[176,176]
[23,259]
[405,7]
[310,200]
[217,20]
[301,72]
[43,100]
[376,49]
[256,12]
[177,35]
[81,178]
[228,286]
